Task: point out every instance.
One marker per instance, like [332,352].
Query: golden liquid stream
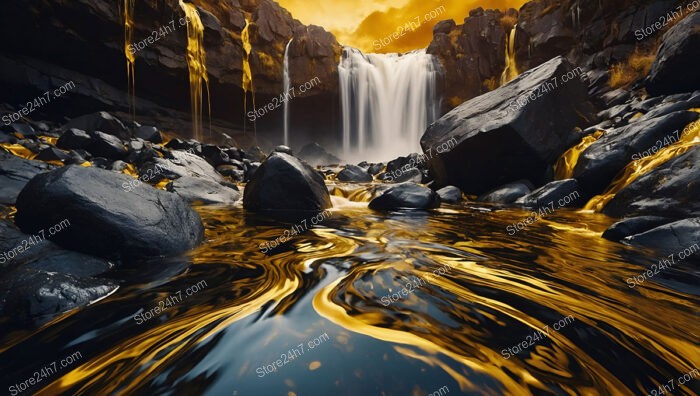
[511,69]
[197,64]
[635,169]
[247,83]
[128,13]
[564,168]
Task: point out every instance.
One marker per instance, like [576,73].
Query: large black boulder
[672,190]
[672,239]
[675,68]
[632,226]
[508,193]
[406,196]
[74,139]
[514,132]
[557,194]
[285,183]
[108,215]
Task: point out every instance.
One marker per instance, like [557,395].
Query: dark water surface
[367,303]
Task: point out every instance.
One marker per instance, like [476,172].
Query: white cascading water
[388,101]
[286,86]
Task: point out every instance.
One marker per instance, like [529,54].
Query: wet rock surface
[15,173]
[406,196]
[201,191]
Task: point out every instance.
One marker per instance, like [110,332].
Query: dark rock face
[632,226]
[316,155]
[598,165]
[102,122]
[412,175]
[74,139]
[285,183]
[472,54]
[504,136]
[450,194]
[560,193]
[354,174]
[202,191]
[148,133]
[105,218]
[15,173]
[676,64]
[508,193]
[406,196]
[672,189]
[107,146]
[181,164]
[38,296]
[672,238]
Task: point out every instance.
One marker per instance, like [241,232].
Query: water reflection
[450,330]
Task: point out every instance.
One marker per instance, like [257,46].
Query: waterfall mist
[387,102]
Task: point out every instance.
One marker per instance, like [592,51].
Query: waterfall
[387,102]
[511,69]
[247,79]
[286,86]
[128,14]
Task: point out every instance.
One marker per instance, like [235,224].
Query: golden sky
[370,25]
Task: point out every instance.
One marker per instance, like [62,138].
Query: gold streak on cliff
[247,82]
[197,64]
[634,170]
[128,13]
[564,168]
[511,69]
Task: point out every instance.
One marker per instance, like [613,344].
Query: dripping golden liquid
[511,69]
[564,168]
[247,82]
[197,64]
[128,15]
[636,169]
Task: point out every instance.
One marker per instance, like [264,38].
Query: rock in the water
[633,225]
[450,194]
[285,183]
[406,196]
[354,174]
[672,190]
[316,155]
[15,173]
[107,146]
[100,122]
[514,132]
[560,193]
[284,149]
[672,238]
[508,193]
[598,165]
[74,139]
[38,296]
[99,214]
[202,191]
[413,175]
[675,67]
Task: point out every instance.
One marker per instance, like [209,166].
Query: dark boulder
[74,139]
[52,154]
[215,155]
[633,225]
[285,183]
[510,133]
[148,133]
[598,165]
[508,193]
[232,171]
[374,169]
[102,122]
[354,174]
[413,175]
[107,146]
[406,196]
[673,238]
[15,173]
[183,164]
[102,216]
[450,194]
[675,67]
[672,189]
[284,149]
[557,194]
[202,191]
